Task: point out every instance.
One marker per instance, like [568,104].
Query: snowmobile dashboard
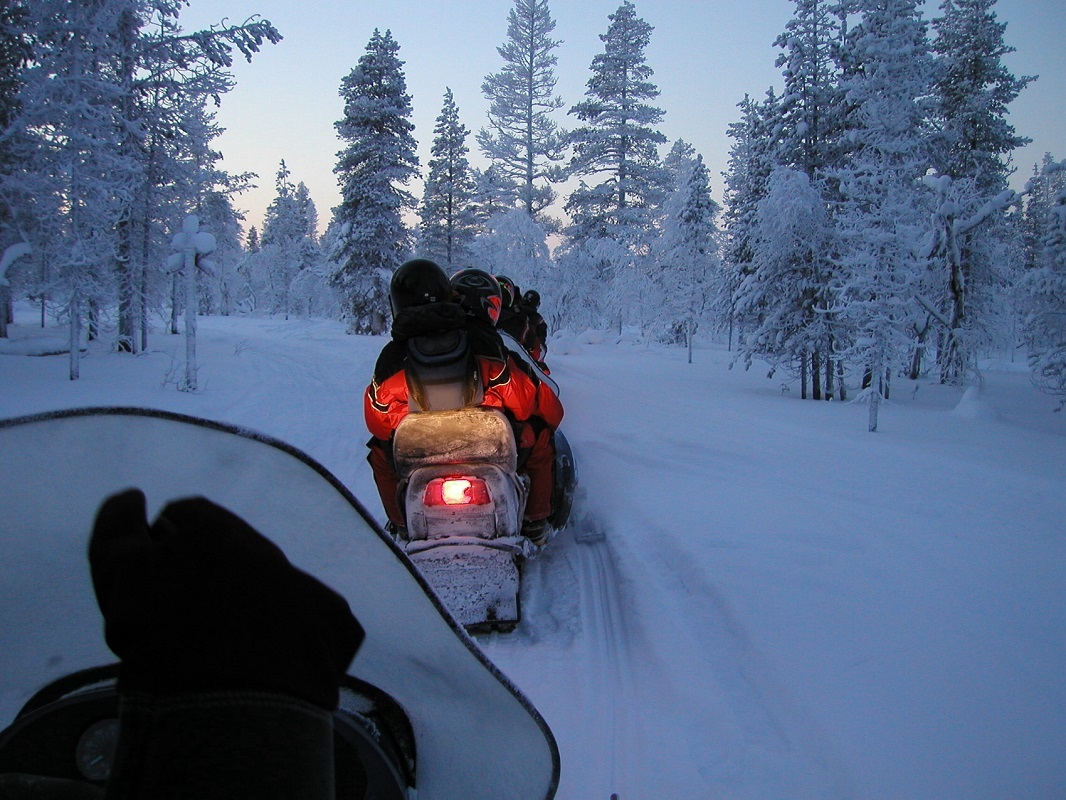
[62,742]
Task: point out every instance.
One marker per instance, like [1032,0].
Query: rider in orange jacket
[423,302]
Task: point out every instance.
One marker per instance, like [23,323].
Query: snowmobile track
[609,662]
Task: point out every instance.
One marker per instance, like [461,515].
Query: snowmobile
[422,711]
[461,490]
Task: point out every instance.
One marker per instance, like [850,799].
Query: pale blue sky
[706,55]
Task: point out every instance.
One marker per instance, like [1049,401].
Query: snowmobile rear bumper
[477,580]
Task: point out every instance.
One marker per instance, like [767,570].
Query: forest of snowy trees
[867,229]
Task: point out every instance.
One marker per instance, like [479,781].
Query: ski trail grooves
[609,665]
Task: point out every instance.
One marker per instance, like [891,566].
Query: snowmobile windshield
[58,468]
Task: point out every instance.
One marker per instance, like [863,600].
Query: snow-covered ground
[786,606]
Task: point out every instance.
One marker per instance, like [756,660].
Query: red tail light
[457,492]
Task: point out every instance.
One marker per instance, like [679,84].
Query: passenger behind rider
[478,292]
[520,318]
[423,303]
[536,340]
[512,320]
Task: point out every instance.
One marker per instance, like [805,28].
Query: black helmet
[532,299]
[479,294]
[417,282]
[509,290]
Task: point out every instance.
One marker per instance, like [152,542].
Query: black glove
[200,601]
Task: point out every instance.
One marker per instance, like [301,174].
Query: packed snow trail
[609,661]
[588,619]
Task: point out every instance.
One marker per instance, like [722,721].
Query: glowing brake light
[457,492]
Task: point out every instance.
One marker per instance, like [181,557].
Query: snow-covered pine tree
[220,280]
[449,222]
[885,207]
[582,295]
[620,138]
[973,90]
[147,81]
[751,160]
[288,245]
[780,294]
[1043,291]
[307,211]
[247,294]
[687,254]
[282,231]
[493,195]
[310,294]
[168,78]
[73,177]
[811,109]
[373,169]
[522,141]
[1049,177]
[973,253]
[974,140]
[618,144]
[678,162]
[182,172]
[810,121]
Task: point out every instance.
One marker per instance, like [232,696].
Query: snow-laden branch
[933,312]
[12,254]
[949,209]
[997,204]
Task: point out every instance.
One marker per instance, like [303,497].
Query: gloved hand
[201,602]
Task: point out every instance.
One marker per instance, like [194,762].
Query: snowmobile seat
[458,436]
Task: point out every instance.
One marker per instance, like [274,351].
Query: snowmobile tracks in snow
[609,662]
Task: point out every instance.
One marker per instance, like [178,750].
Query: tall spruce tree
[373,169]
[782,293]
[1043,290]
[620,137]
[288,245]
[220,280]
[448,213]
[494,194]
[687,254]
[809,119]
[752,158]
[73,178]
[973,90]
[978,245]
[618,145]
[810,110]
[1048,179]
[678,162]
[885,209]
[522,141]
